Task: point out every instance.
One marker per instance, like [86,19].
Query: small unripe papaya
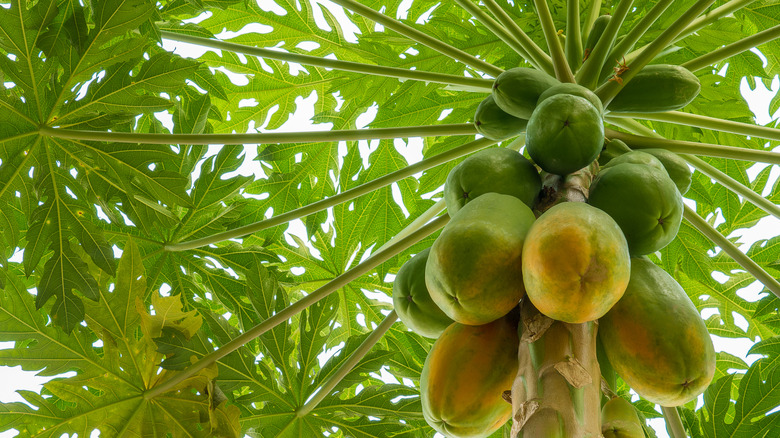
[496,124]
[595,33]
[574,90]
[413,303]
[517,90]
[494,170]
[565,134]
[612,148]
[643,200]
[636,157]
[657,88]
[676,167]
[619,420]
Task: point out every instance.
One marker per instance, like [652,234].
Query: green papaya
[657,88]
[465,375]
[619,420]
[517,90]
[497,170]
[474,268]
[612,148]
[643,201]
[413,303]
[675,166]
[574,90]
[636,157]
[656,340]
[565,133]
[496,124]
[595,33]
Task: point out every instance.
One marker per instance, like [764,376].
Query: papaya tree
[183,257]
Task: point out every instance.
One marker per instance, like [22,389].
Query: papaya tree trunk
[557,390]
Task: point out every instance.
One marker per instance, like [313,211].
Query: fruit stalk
[356,67]
[635,34]
[348,365]
[262,137]
[562,71]
[540,57]
[692,147]
[498,30]
[335,199]
[573,36]
[673,422]
[729,248]
[556,392]
[588,75]
[420,37]
[732,49]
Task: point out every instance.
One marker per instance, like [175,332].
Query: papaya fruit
[676,167]
[636,157]
[656,340]
[413,303]
[595,33]
[498,170]
[575,263]
[574,90]
[473,272]
[517,90]
[643,200]
[612,148]
[619,420]
[496,124]
[465,375]
[657,88]
[565,133]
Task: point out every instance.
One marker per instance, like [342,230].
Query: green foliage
[69,304]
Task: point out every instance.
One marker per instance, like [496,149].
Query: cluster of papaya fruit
[575,262]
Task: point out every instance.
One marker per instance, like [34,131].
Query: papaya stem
[692,147]
[337,283]
[673,422]
[610,89]
[357,67]
[593,14]
[534,51]
[699,121]
[734,185]
[348,365]
[714,173]
[263,137]
[573,35]
[634,35]
[561,67]
[498,30]
[336,199]
[732,49]
[731,250]
[420,37]
[588,75]
[701,22]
